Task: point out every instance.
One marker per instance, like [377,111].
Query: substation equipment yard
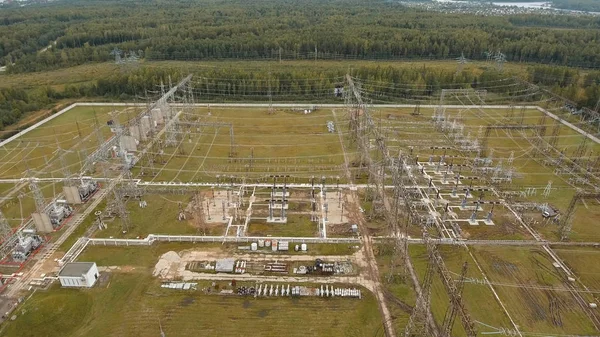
[474,215]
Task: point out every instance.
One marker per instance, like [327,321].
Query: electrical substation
[480,170]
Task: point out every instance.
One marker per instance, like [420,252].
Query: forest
[87,31]
[67,33]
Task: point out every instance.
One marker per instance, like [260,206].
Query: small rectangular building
[225,266]
[78,274]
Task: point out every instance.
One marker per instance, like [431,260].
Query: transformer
[87,188]
[25,246]
[59,212]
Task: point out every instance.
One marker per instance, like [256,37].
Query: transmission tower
[548,189]
[232,147]
[555,132]
[522,114]
[451,312]
[565,224]
[581,150]
[38,196]
[510,111]
[500,59]
[418,324]
[65,167]
[462,60]
[5,229]
[172,133]
[116,52]
[542,126]
[417,110]
[511,158]
[121,209]
[489,55]
[454,292]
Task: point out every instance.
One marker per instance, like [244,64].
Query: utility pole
[78,129]
[232,150]
[270,94]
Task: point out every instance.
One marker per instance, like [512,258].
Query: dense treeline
[235,29]
[384,84]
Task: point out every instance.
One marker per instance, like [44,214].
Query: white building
[79,274]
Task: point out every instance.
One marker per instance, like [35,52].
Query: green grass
[285,142]
[478,299]
[397,285]
[139,256]
[133,303]
[160,217]
[579,260]
[12,208]
[38,150]
[530,307]
[506,267]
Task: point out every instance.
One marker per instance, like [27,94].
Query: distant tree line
[86,31]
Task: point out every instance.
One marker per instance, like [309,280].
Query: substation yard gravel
[171,266]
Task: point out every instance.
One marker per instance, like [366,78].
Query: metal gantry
[566,224]
[454,291]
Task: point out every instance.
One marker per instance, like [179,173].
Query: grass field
[160,217]
[286,142]
[138,303]
[71,134]
[522,278]
[479,300]
[578,259]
